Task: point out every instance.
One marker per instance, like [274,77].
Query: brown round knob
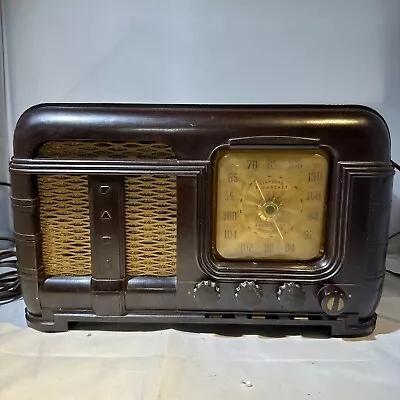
[291,295]
[248,293]
[206,293]
[332,300]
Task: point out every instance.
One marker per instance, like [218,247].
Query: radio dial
[206,293]
[248,293]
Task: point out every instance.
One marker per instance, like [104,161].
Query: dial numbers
[270,204]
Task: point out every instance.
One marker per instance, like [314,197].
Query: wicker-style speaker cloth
[150,211]
[110,149]
[65,224]
[150,225]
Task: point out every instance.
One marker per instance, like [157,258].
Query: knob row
[331,298]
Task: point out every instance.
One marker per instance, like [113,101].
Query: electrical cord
[394,235]
[395,166]
[10,288]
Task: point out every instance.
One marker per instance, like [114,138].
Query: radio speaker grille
[150,225]
[65,224]
[117,150]
[150,211]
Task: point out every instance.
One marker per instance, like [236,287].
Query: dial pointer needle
[259,189]
[277,227]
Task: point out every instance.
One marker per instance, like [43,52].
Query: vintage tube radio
[173,214]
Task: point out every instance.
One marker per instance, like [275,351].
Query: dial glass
[270,204]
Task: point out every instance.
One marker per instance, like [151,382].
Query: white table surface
[171,364]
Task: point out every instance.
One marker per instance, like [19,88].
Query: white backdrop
[188,51]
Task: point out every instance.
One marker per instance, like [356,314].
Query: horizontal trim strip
[105,167]
[29,273]
[152,284]
[24,203]
[107,285]
[25,238]
[179,317]
[74,284]
[279,141]
[366,167]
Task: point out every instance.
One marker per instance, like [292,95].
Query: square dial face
[270,204]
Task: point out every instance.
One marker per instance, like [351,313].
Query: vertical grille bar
[107,227]
[107,239]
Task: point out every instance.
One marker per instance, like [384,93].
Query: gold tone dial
[270,204]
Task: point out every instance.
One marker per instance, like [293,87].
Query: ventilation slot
[150,225]
[65,224]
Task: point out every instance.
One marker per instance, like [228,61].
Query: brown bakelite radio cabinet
[173,214]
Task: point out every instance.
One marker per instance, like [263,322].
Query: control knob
[248,293]
[291,295]
[332,300]
[206,293]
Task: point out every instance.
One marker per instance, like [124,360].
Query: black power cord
[395,166]
[10,289]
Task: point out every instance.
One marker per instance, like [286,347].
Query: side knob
[248,293]
[206,293]
[291,295]
[332,299]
